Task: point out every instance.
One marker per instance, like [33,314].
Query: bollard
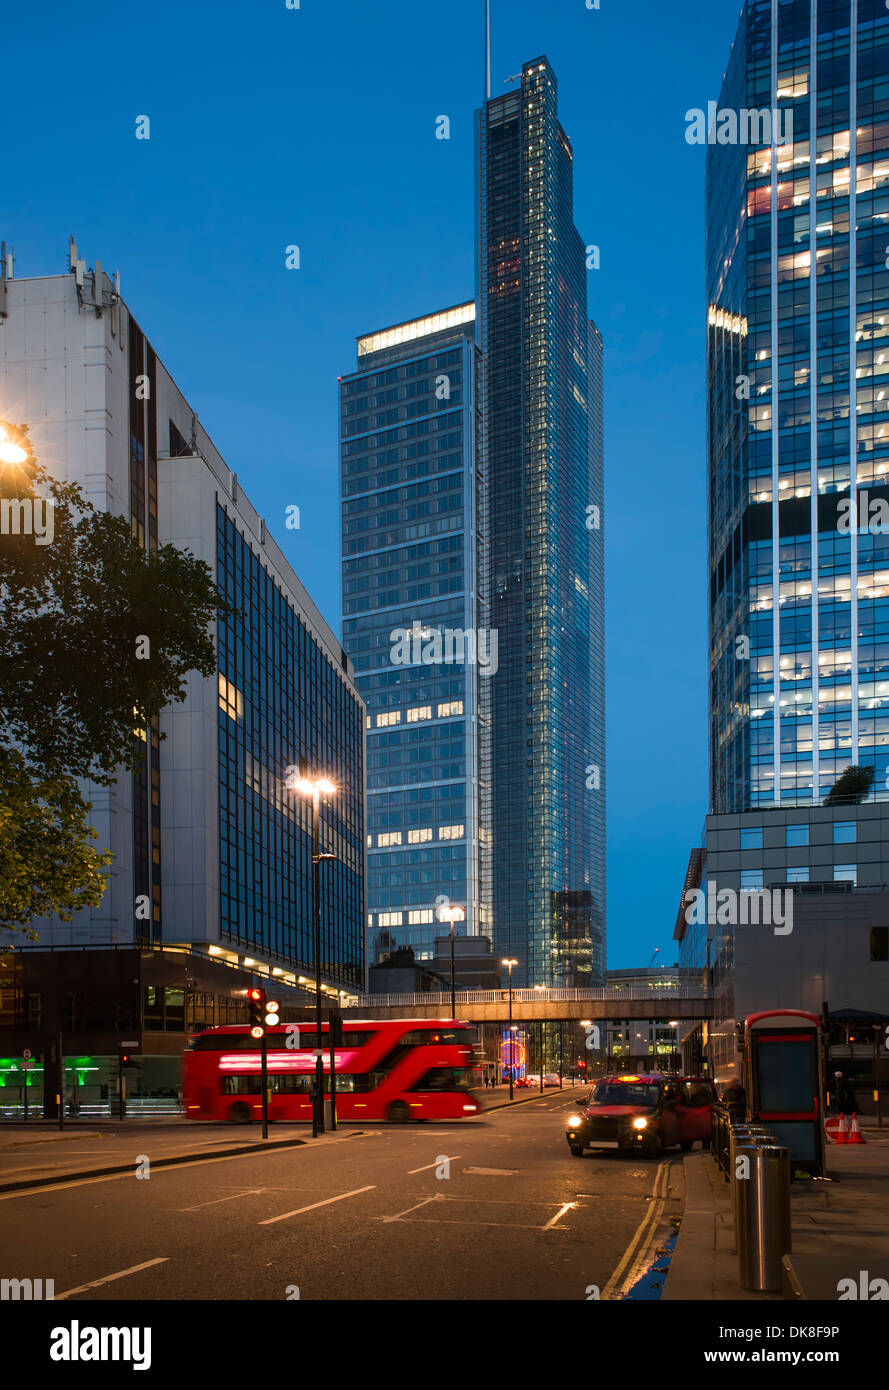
[743,1138]
[763,1206]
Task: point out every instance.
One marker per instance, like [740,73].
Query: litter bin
[763,1217]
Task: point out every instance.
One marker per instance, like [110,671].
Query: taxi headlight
[574,1121]
[640,1122]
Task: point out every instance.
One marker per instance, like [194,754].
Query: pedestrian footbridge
[553,1005]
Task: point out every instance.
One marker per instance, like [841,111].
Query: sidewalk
[839,1228]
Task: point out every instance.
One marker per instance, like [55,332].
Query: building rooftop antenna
[487,50]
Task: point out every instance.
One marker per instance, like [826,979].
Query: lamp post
[452,915]
[306,787]
[585,1024]
[509,964]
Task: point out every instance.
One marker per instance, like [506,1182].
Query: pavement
[840,1229]
[491,1207]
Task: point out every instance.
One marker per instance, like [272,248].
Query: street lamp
[321,786]
[509,964]
[10,451]
[452,915]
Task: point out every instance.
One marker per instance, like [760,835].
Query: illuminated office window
[230,699]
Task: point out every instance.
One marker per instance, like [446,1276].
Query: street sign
[26,1053]
[831,1128]
[129,1042]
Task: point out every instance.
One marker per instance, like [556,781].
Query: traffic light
[126,1059]
[256,1012]
[270,1014]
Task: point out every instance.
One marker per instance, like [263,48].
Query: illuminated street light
[452,915]
[10,451]
[321,786]
[509,964]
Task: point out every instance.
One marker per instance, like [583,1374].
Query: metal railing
[531,996]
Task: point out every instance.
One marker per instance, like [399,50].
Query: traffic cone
[855,1135]
[842,1134]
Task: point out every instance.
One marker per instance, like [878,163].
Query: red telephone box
[782,1078]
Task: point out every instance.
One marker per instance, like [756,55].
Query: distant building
[639,1044]
[475,965]
[416,624]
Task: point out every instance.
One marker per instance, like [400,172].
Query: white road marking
[173,1167]
[398,1215]
[566,1206]
[109,1278]
[250,1192]
[451,1158]
[313,1205]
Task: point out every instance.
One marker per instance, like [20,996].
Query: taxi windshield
[624,1093]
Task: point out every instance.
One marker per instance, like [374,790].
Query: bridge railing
[532,996]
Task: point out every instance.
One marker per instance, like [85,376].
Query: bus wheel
[239,1113]
[398,1113]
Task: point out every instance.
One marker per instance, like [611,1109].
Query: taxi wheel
[398,1113]
[652,1146]
[686,1146]
[706,1144]
[577,1150]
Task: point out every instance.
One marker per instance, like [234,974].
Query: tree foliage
[96,637]
[851,787]
[47,863]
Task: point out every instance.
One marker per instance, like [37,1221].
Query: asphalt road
[489,1208]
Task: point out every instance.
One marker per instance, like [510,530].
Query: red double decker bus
[394,1069]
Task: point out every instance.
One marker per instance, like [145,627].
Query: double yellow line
[636,1256]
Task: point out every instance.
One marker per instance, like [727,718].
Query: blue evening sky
[316,127]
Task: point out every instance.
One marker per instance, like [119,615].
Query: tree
[851,787]
[47,863]
[96,637]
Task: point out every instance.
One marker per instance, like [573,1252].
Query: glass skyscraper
[543,400]
[414,546]
[798,362]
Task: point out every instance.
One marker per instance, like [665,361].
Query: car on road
[644,1113]
[550,1078]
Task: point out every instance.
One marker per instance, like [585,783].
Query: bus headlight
[640,1122]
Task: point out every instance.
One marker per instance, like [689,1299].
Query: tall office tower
[799,392]
[414,571]
[798,382]
[544,428]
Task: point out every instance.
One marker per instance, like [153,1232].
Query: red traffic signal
[256,1011]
